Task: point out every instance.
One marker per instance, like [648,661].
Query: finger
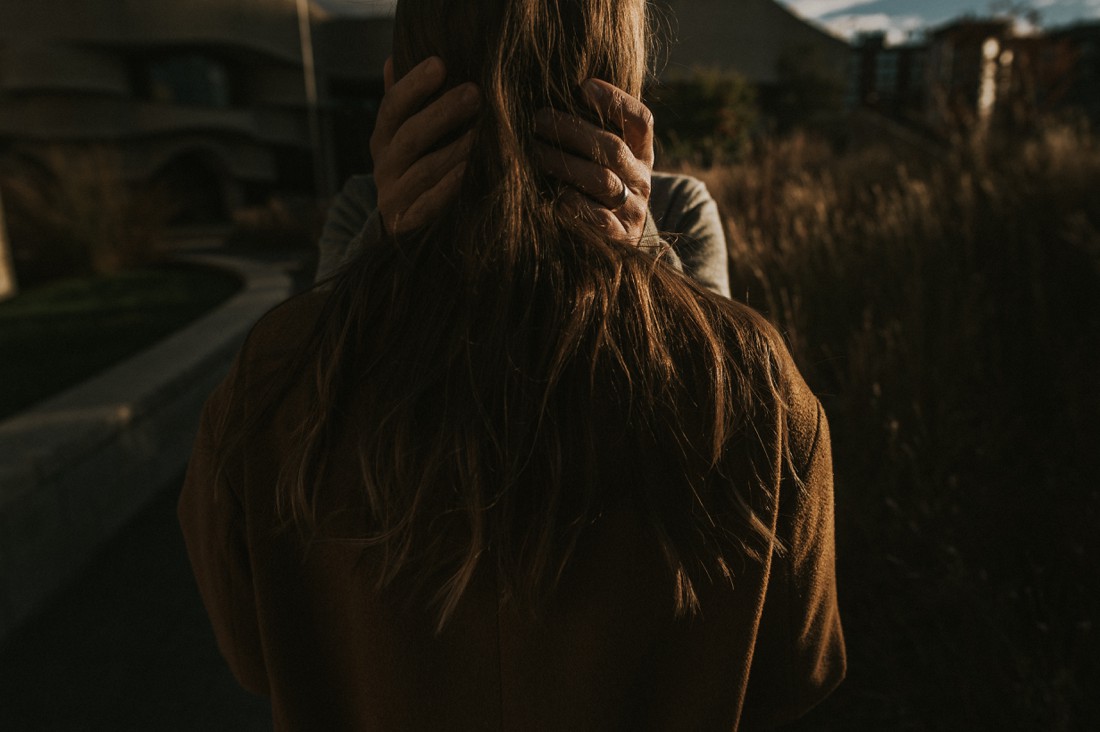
[590,178]
[429,170]
[387,74]
[634,118]
[432,202]
[406,96]
[423,130]
[585,139]
[582,208]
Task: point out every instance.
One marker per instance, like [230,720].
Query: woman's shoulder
[282,332]
[679,184]
[673,193]
[269,364]
[757,337]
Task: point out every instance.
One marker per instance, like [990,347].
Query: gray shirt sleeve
[683,214]
[352,222]
[687,217]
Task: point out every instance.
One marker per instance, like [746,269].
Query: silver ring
[622,198]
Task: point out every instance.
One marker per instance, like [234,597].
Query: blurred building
[760,39]
[890,79]
[1069,69]
[206,97]
[351,52]
[978,71]
[965,60]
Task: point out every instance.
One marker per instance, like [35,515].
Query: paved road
[126,647]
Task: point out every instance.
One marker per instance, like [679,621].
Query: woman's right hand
[414,181]
[609,177]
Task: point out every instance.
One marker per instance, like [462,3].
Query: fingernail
[471,95]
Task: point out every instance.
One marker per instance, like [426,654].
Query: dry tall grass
[947,309]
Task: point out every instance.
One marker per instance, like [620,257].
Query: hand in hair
[415,180]
[610,176]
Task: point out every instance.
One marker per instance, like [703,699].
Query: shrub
[71,212]
[708,115]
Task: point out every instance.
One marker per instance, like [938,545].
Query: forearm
[688,218]
[352,224]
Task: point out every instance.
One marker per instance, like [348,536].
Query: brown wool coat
[306,628]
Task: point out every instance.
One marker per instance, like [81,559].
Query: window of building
[917,71]
[852,79]
[886,72]
[191,79]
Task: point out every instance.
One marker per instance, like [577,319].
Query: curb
[76,467]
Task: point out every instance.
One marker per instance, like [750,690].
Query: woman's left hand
[610,177]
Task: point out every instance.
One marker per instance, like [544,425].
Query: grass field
[946,307]
[61,333]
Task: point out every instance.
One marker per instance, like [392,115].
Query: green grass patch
[59,334]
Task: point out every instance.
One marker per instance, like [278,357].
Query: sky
[901,17]
[846,18]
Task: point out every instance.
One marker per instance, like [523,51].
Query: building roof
[749,36]
[973,28]
[1082,29]
[268,26]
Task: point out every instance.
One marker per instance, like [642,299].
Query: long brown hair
[510,373]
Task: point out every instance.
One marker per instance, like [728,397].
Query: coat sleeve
[213,523]
[800,655]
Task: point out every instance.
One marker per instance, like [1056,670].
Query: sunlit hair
[510,373]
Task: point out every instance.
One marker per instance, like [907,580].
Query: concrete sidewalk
[101,625]
[76,468]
